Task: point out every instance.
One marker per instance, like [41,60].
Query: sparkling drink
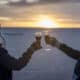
[47,46]
[38,36]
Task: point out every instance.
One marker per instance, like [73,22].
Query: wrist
[30,50]
[57,44]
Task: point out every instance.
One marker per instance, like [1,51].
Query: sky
[26,13]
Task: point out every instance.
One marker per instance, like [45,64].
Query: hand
[36,45]
[51,41]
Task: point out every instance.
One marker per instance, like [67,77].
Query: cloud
[31,2]
[66,13]
[5,19]
[3,2]
[19,3]
[67,9]
[24,2]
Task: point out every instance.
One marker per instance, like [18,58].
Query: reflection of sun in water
[46,22]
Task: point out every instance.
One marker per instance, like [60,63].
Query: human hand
[51,41]
[36,45]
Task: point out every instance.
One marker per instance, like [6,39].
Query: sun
[46,22]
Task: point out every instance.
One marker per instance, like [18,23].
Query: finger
[47,37]
[38,38]
[33,44]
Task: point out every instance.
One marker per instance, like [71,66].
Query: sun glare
[46,22]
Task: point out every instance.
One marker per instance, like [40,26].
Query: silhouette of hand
[51,41]
[36,45]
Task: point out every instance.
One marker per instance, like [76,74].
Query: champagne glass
[38,36]
[47,47]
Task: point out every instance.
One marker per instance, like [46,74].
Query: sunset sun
[46,22]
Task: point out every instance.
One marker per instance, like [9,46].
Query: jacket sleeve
[75,54]
[11,63]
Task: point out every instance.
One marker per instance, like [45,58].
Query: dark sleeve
[11,63]
[75,54]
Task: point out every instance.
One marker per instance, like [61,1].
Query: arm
[75,54]
[16,64]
